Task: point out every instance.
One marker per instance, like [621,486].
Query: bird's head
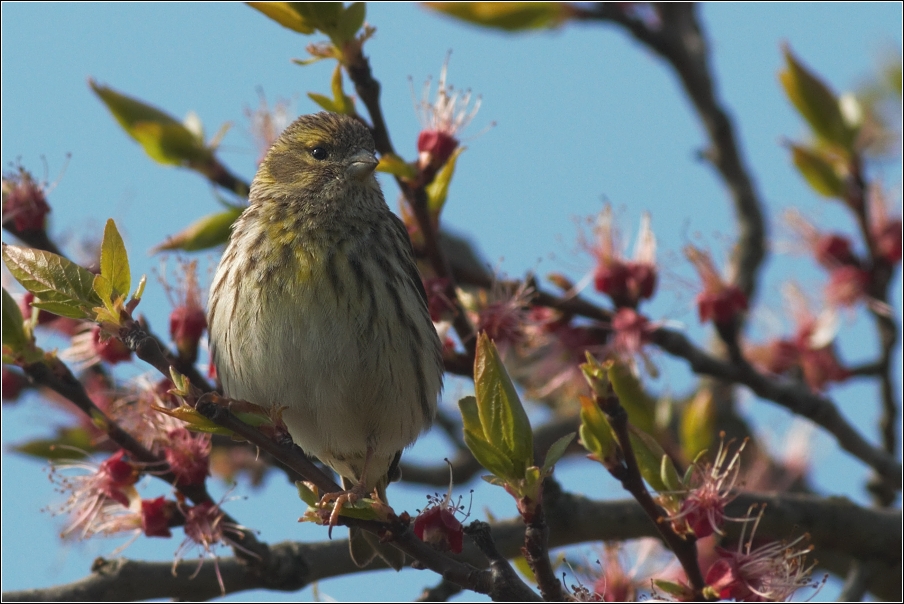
[327,153]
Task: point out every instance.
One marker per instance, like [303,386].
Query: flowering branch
[368,89]
[627,471]
[572,518]
[794,397]
[681,43]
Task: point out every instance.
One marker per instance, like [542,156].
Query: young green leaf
[13,327]
[815,102]
[163,137]
[285,14]
[351,21]
[438,190]
[819,171]
[502,417]
[114,260]
[209,231]
[556,451]
[698,424]
[595,432]
[508,16]
[395,165]
[63,287]
[653,461]
[476,440]
[640,406]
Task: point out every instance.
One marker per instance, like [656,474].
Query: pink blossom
[847,286]
[702,509]
[626,282]
[719,302]
[437,523]
[206,528]
[188,319]
[442,121]
[24,201]
[632,331]
[188,456]
[94,498]
[770,573]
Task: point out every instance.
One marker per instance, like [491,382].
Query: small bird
[317,306]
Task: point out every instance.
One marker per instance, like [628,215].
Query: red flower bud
[13,383]
[834,250]
[435,147]
[24,202]
[111,350]
[721,306]
[187,325]
[156,515]
[439,527]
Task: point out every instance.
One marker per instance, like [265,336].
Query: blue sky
[583,114]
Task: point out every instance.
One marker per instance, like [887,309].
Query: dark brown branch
[59,379]
[793,396]
[628,473]
[507,586]
[536,552]
[572,519]
[152,351]
[396,531]
[680,41]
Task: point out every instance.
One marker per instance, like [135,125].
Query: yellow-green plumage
[317,305]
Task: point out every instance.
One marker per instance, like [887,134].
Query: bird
[317,307]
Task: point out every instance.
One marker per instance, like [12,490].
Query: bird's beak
[361,164]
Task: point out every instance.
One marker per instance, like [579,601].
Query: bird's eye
[319,153]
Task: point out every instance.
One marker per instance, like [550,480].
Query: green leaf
[343,103]
[391,163]
[324,16]
[351,21]
[502,416]
[556,451]
[13,329]
[104,289]
[484,452]
[491,458]
[68,443]
[652,461]
[164,138]
[698,424]
[640,406]
[438,190]
[815,102]
[63,287]
[209,231]
[114,260]
[508,16]
[323,102]
[306,494]
[596,433]
[285,14]
[819,171]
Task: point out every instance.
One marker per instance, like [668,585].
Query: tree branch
[572,519]
[793,396]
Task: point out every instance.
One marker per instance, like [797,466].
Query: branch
[572,519]
[792,396]
[368,89]
[680,41]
